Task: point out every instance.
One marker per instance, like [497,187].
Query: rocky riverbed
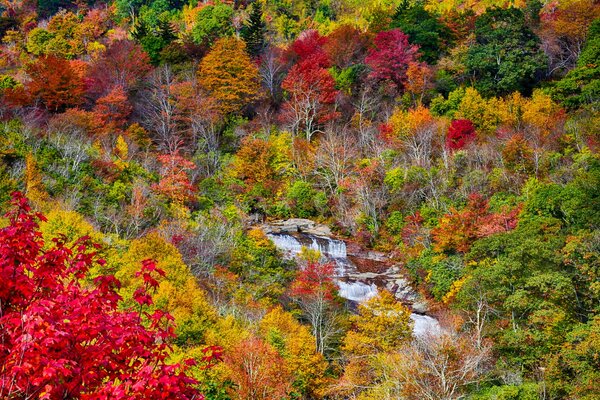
[360,273]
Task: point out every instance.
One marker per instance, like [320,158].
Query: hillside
[444,156]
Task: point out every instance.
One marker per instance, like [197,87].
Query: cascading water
[350,288]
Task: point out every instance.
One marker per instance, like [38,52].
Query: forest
[146,144]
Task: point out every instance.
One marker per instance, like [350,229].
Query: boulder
[296,225]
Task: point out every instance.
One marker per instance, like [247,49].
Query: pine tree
[254,32]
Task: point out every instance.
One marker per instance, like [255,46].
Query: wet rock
[296,225]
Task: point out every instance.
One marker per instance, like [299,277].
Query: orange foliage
[53,83]
[175,183]
[229,74]
[459,229]
[258,371]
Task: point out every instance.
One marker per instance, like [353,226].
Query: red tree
[62,338]
[54,84]
[311,95]
[111,111]
[310,45]
[175,182]
[460,133]
[315,292]
[390,58]
[346,45]
[123,64]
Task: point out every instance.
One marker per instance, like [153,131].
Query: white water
[357,291]
[329,248]
[425,325]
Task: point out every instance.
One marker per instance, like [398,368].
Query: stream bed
[359,286]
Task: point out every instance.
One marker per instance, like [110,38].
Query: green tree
[581,86]
[423,28]
[254,31]
[506,56]
[212,22]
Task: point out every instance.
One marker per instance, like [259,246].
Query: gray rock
[296,225]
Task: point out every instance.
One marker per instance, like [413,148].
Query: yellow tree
[383,325]
[229,74]
[178,292]
[297,347]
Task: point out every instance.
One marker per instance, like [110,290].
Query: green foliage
[526,391]
[423,28]
[506,56]
[38,40]
[212,22]
[581,86]
[305,202]
[254,31]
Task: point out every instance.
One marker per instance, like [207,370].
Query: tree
[423,28]
[460,133]
[296,345]
[383,325]
[229,74]
[565,27]
[506,56]
[255,30]
[124,64]
[458,230]
[311,94]
[314,291]
[111,111]
[258,371]
[579,88]
[212,22]
[54,83]
[438,367]
[62,338]
[346,46]
[175,183]
[390,58]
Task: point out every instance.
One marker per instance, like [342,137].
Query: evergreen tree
[254,32]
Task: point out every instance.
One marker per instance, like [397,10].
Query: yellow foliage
[485,114]
[34,188]
[259,238]
[382,324]
[454,289]
[178,292]
[298,347]
[406,123]
[68,223]
[230,75]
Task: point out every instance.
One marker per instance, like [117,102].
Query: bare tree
[160,112]
[438,367]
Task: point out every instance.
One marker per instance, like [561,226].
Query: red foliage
[459,229]
[312,93]
[316,280]
[62,338]
[175,182]
[112,110]
[346,45]
[460,133]
[390,58]
[309,45]
[123,64]
[54,83]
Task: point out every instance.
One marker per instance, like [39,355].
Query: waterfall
[291,245]
[357,291]
[350,287]
[425,325]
